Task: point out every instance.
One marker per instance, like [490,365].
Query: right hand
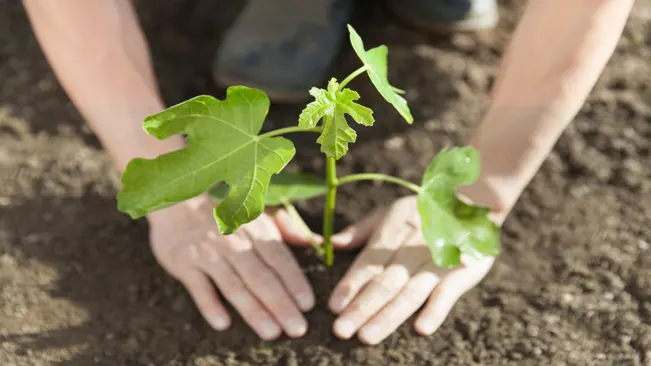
[253,268]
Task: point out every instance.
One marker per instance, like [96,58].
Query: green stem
[291,210]
[329,210]
[350,77]
[282,131]
[380,177]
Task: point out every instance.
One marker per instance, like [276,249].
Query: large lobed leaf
[284,187]
[376,62]
[332,105]
[223,145]
[450,226]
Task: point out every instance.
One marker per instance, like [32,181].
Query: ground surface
[79,286]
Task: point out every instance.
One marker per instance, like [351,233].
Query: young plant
[242,169]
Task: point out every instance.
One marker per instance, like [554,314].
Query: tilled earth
[79,285]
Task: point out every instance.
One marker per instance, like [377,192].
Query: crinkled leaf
[332,105]
[223,145]
[376,62]
[284,187]
[452,227]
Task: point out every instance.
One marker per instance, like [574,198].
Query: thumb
[294,231]
[358,234]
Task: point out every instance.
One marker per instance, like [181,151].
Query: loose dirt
[79,285]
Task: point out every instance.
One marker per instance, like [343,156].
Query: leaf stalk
[286,130]
[329,210]
[350,77]
[378,177]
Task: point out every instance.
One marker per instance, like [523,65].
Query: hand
[254,270]
[394,276]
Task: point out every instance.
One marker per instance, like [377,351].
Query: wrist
[512,148]
[191,208]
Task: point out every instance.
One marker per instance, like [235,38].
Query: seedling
[242,169]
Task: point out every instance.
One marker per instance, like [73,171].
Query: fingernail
[370,333]
[296,327]
[344,328]
[269,329]
[338,303]
[305,301]
[342,238]
[220,323]
[425,326]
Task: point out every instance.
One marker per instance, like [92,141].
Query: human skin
[557,53]
[101,58]
[551,65]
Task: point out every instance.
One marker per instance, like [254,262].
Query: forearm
[101,59]
[556,56]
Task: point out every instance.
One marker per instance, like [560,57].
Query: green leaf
[223,145]
[332,105]
[289,187]
[452,227]
[284,187]
[376,62]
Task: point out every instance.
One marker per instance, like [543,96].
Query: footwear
[283,47]
[445,16]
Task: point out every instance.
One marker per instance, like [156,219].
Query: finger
[237,294]
[205,297]
[266,286]
[383,288]
[408,301]
[293,232]
[266,240]
[357,234]
[451,288]
[378,293]
[374,257]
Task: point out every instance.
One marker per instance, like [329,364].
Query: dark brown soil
[79,285]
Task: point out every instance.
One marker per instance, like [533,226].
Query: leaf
[284,187]
[223,145]
[376,62]
[289,187]
[452,227]
[332,105]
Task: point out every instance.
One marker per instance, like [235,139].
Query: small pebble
[395,143]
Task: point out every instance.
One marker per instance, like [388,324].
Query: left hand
[394,276]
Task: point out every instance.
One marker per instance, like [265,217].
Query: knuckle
[411,294]
[263,280]
[278,256]
[381,286]
[229,283]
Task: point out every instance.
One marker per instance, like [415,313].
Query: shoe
[446,16]
[283,47]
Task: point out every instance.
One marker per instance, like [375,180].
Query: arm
[102,60]
[556,56]
[100,56]
[554,60]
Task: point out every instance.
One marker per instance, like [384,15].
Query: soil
[79,285]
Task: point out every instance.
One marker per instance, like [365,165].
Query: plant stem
[350,77]
[282,131]
[329,210]
[291,210]
[380,177]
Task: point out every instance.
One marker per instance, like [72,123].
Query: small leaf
[289,187]
[452,227]
[283,187]
[223,145]
[332,105]
[376,62]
